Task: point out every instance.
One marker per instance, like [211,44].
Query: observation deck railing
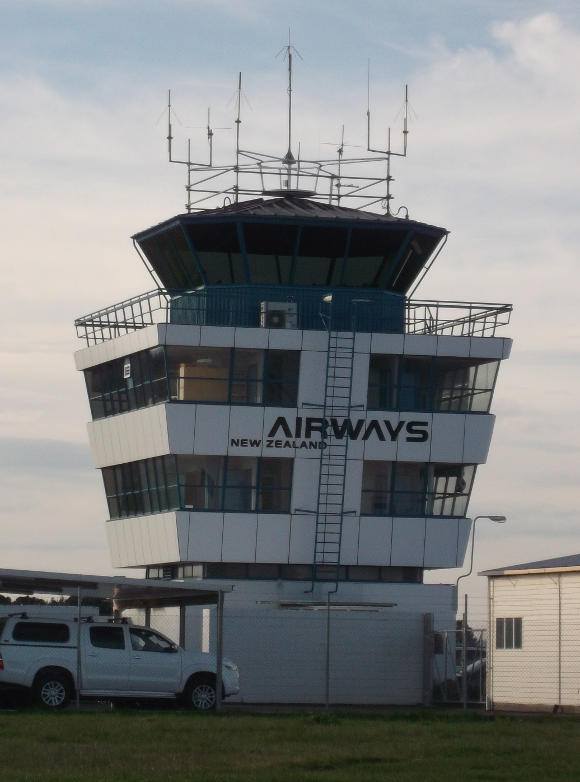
[369,313]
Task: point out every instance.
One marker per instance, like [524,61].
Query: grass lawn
[238,747]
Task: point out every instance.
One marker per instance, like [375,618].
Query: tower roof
[320,244]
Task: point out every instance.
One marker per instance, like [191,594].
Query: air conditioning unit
[278,315]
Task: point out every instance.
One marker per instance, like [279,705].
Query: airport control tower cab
[280,412]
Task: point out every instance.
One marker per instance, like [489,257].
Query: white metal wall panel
[180,427]
[420,345]
[314,340]
[374,547]
[273,538]
[353,484]
[205,537]
[251,338]
[544,672]
[527,675]
[447,437]
[239,539]
[156,534]
[284,339]
[362,342]
[302,528]
[486,347]
[463,532]
[373,448]
[244,421]
[441,542]
[139,434]
[350,536]
[217,336]
[453,346]
[408,542]
[212,423]
[375,657]
[387,343]
[305,484]
[408,451]
[119,347]
[360,380]
[312,379]
[570,640]
[185,336]
[478,432]
[271,414]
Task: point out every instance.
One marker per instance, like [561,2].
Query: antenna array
[254,174]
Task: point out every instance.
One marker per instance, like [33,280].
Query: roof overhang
[527,571]
[126,592]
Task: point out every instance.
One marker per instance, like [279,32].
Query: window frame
[509,633]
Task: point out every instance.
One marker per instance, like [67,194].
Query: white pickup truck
[114,660]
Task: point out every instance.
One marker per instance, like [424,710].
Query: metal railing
[237,307]
[456,318]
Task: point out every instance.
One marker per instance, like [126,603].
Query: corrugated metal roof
[298,207]
[292,208]
[572,561]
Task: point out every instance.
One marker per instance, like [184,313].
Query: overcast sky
[493,157]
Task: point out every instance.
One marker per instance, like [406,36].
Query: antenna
[289,159]
[388,152]
[256,174]
[238,123]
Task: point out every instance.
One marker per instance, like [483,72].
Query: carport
[124,593]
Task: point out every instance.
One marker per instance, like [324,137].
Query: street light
[498,520]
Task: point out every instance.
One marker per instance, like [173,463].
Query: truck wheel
[200,693]
[52,690]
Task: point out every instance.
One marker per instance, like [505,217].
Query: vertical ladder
[333,456]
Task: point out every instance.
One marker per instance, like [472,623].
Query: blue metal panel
[358,309]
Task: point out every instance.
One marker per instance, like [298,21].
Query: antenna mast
[388,152]
[238,123]
[258,174]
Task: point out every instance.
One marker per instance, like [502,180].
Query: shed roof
[570,562]
[130,592]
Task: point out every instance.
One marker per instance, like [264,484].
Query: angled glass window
[241,376]
[416,489]
[275,485]
[199,374]
[247,377]
[321,255]
[201,480]
[270,252]
[431,384]
[218,252]
[209,483]
[281,378]
[127,383]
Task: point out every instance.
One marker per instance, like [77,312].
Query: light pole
[497,520]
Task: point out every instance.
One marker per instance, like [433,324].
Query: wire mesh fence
[459,666]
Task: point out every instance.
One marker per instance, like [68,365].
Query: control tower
[279,412]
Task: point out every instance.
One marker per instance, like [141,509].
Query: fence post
[464,655]
[428,650]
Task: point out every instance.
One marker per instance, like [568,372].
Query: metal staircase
[333,457]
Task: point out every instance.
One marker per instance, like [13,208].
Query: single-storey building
[534,641]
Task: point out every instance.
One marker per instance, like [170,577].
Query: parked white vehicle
[114,660]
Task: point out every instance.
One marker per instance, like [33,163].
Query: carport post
[182,610]
[219,651]
[78,687]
